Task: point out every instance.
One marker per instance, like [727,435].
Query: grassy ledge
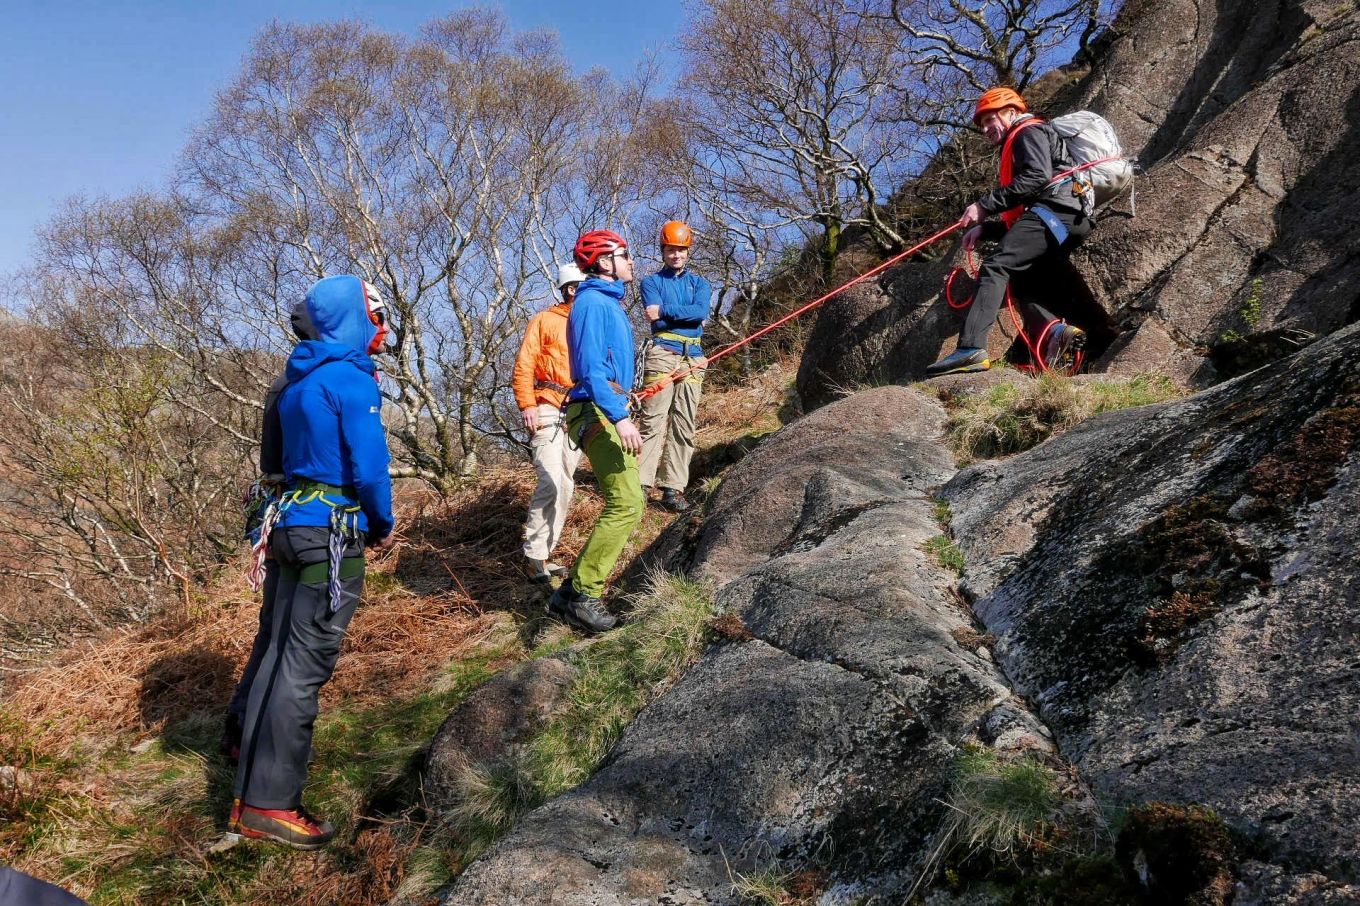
[1012,417]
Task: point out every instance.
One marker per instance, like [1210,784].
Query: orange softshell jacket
[543,370]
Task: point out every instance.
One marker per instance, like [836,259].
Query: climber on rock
[1041,220]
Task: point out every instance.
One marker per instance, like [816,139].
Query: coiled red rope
[1038,363]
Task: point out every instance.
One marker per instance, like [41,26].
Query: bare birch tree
[787,103]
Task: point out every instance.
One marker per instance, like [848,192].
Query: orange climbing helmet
[676,232]
[997,99]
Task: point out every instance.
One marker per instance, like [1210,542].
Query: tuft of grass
[1013,417]
[995,807]
[774,886]
[1001,806]
[490,800]
[763,888]
[939,508]
[946,553]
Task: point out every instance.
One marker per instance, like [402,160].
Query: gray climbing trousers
[304,644]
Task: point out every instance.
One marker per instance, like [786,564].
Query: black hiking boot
[583,613]
[673,500]
[1061,348]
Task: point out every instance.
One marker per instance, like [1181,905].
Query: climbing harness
[654,388]
[542,384]
[343,528]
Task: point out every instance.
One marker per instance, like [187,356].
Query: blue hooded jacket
[684,298]
[329,412]
[600,344]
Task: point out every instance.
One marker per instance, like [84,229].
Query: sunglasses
[625,254]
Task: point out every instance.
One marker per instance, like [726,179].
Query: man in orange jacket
[541,380]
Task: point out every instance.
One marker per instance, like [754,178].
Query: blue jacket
[329,412]
[685,300]
[600,343]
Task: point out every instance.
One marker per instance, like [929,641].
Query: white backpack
[1097,157]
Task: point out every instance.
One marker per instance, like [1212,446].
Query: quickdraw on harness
[657,386]
[270,504]
[261,509]
[1038,362]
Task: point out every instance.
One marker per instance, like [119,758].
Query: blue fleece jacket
[600,343]
[684,298]
[329,412]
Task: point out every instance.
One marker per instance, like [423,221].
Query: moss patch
[1194,567]
[972,639]
[1182,854]
[1302,470]
[730,628]
[1079,881]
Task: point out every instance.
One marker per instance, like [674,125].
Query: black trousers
[19,889]
[303,646]
[1027,247]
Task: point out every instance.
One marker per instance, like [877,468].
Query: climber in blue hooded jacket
[330,408]
[337,501]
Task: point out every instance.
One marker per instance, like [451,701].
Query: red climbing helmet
[594,245]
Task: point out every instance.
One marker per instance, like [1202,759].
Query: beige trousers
[668,421]
[555,461]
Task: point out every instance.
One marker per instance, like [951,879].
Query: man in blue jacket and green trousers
[600,343]
[338,499]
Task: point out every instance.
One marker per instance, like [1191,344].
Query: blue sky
[98,96]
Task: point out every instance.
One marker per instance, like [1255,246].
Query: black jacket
[1037,155]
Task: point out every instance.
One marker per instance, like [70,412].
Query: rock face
[1246,117]
[1176,587]
[822,730]
[498,716]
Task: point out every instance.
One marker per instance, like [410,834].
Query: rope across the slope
[657,386]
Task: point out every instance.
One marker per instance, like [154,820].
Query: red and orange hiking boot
[295,827]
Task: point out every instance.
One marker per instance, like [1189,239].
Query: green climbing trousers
[616,472]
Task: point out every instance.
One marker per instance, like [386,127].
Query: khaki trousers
[555,461]
[668,420]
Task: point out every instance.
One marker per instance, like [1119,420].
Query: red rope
[655,388]
[971,268]
[1038,363]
